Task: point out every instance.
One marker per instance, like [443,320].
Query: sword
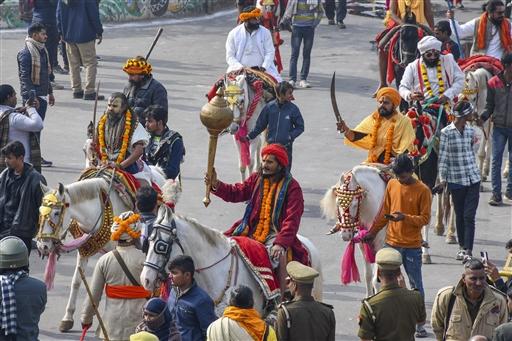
[333,99]
[94,112]
[158,34]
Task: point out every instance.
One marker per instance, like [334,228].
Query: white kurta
[120,317]
[494,48]
[244,49]
[453,78]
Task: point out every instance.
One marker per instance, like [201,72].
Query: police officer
[303,318]
[25,296]
[392,313]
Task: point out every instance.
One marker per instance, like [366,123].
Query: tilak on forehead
[117,103]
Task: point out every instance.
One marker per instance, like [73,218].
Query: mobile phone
[485,256]
[31,97]
[389,216]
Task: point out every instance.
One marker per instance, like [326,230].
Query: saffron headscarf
[126,227]
[253,14]
[137,66]
[390,93]
[278,151]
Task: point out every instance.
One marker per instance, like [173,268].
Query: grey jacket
[30,304]
[150,93]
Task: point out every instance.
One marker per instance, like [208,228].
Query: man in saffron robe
[491,32]
[385,133]
[275,208]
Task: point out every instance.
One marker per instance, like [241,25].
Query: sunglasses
[432,53]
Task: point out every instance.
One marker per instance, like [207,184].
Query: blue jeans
[299,34]
[500,137]
[411,259]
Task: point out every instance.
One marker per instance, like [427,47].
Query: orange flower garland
[125,140]
[388,148]
[263,228]
[124,226]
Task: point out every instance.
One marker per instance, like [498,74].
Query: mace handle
[212,149]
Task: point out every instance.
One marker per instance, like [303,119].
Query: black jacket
[152,92]
[25,74]
[26,217]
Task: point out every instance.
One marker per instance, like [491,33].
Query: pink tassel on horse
[349,270]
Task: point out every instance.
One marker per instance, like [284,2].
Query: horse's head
[235,94]
[269,9]
[52,217]
[407,44]
[345,201]
[161,241]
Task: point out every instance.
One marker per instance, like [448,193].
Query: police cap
[388,259]
[301,273]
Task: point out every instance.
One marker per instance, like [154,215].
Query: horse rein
[344,197]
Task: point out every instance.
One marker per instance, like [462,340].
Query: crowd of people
[133,134]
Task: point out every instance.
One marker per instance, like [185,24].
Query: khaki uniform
[391,314]
[492,313]
[302,319]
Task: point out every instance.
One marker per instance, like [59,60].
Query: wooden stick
[94,112]
[158,34]
[94,306]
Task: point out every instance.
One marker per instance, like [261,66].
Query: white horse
[84,202]
[218,265]
[243,100]
[364,195]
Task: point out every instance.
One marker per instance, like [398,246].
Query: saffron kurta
[289,220]
[403,135]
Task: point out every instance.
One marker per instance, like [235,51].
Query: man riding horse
[385,133]
[275,208]
[433,80]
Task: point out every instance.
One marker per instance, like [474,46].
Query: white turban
[126,227]
[429,43]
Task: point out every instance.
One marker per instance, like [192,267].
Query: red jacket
[291,213]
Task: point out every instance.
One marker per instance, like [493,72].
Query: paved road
[188,59]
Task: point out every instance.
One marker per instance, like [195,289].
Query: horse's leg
[67,321]
[368,275]
[425,257]
[240,167]
[450,235]
[383,68]
[506,169]
[439,228]
[482,158]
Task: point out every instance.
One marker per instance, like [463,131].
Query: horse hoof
[451,240]
[65,326]
[425,259]
[439,231]
[484,178]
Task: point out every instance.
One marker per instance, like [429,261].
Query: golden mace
[215,116]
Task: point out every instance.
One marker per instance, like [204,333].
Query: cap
[143,336]
[301,273]
[388,259]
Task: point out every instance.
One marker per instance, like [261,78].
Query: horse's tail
[314,256]
[171,191]
[328,203]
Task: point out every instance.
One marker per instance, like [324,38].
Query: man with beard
[275,208]
[470,308]
[120,139]
[143,90]
[490,32]
[432,75]
[385,133]
[251,45]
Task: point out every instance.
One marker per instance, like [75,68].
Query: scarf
[35,48]
[506,40]
[8,315]
[349,270]
[249,319]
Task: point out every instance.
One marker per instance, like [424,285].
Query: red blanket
[491,64]
[255,256]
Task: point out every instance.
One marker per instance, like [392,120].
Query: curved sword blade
[333,98]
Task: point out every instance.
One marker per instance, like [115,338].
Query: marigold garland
[125,139]
[124,226]
[426,82]
[388,148]
[263,228]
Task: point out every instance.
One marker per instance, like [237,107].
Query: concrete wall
[128,10]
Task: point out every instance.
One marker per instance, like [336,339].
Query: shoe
[508,195]
[304,84]
[46,163]
[78,94]
[292,83]
[460,255]
[421,332]
[495,200]
[461,6]
[341,25]
[66,69]
[331,22]
[92,97]
[56,86]
[59,70]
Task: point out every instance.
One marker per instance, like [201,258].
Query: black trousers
[341,10]
[465,202]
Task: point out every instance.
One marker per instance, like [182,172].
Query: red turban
[278,151]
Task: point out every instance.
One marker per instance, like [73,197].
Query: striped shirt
[306,13]
[457,161]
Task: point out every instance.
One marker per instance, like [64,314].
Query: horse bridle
[51,201]
[344,197]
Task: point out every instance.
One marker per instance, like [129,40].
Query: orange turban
[390,93]
[278,151]
[254,14]
[137,66]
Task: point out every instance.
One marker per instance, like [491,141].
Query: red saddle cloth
[255,256]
